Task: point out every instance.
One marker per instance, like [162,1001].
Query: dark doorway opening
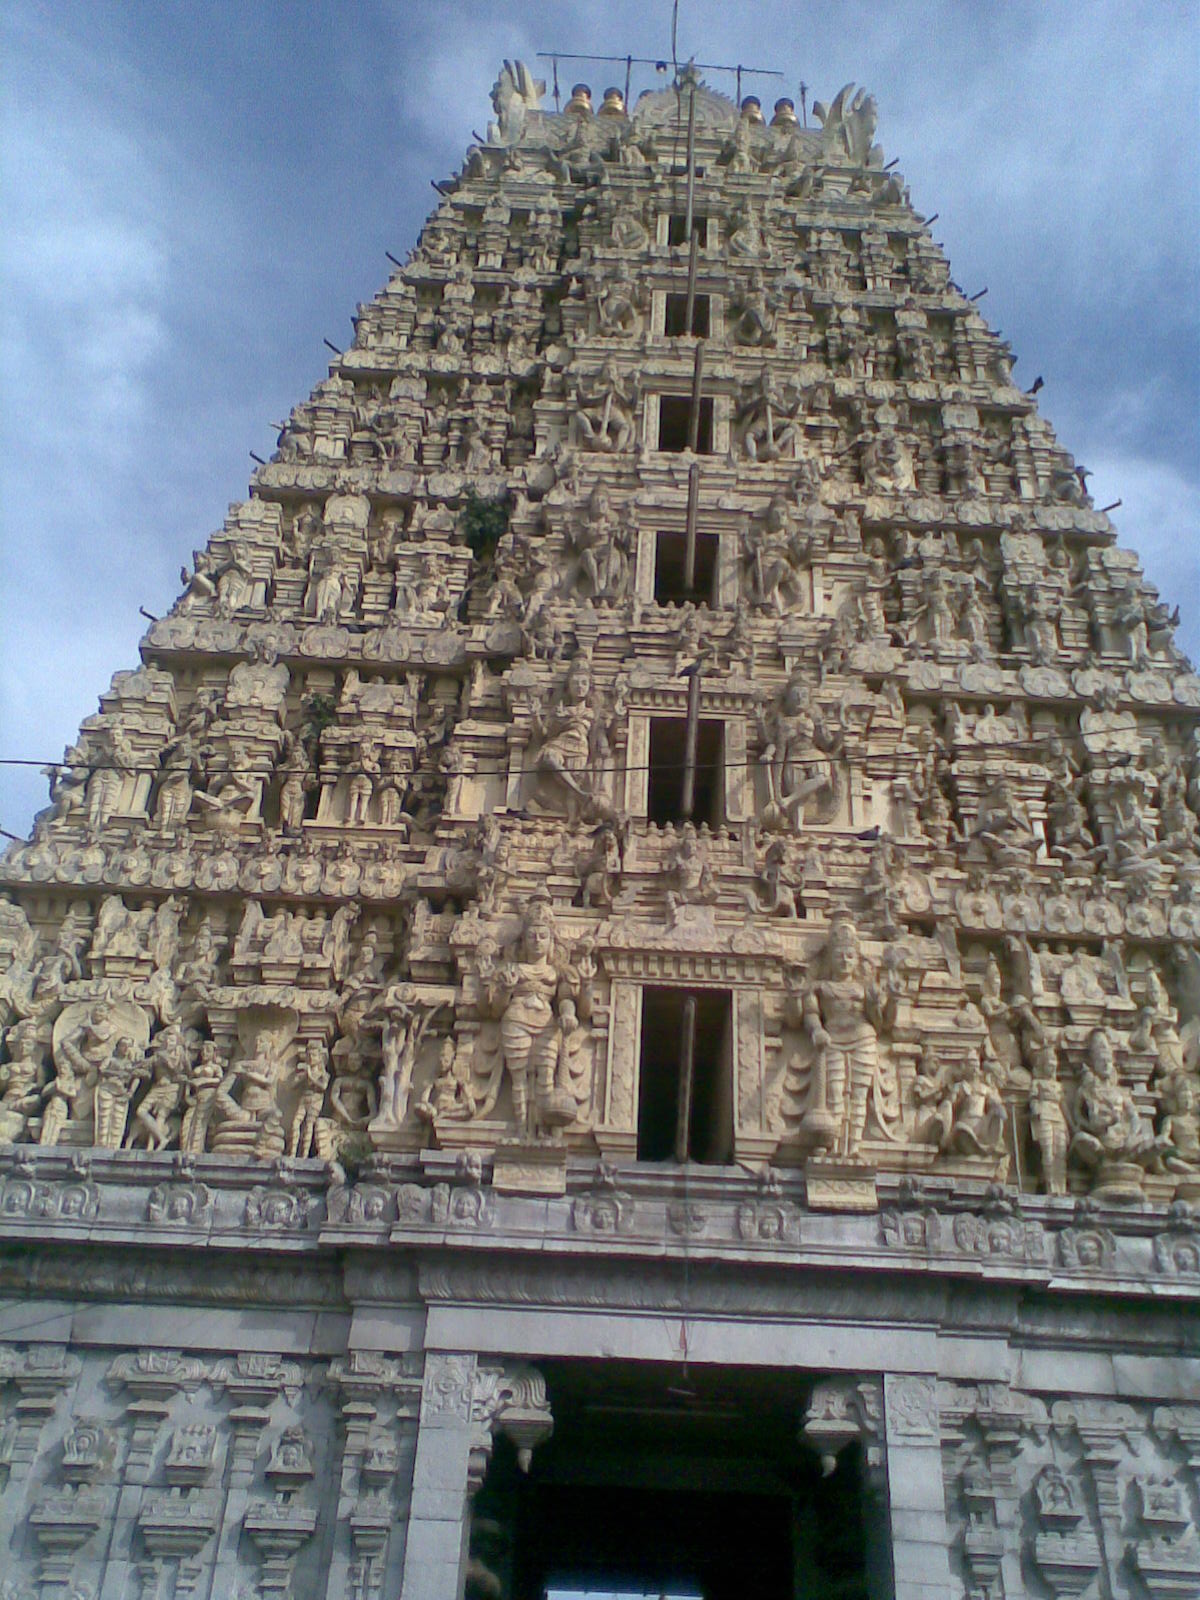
[686,1482]
[661,1078]
[674,412]
[676,316]
[668,757]
[670,570]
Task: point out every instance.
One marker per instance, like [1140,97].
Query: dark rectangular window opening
[661,1076]
[670,570]
[668,752]
[674,413]
[677,229]
[676,319]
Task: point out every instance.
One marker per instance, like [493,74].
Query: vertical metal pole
[687,1072]
[739,88]
[693,501]
[690,310]
[694,414]
[691,164]
[691,746]
[628,71]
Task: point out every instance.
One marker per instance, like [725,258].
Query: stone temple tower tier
[617,999]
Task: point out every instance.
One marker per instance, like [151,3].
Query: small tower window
[674,412]
[670,570]
[668,755]
[675,321]
[677,230]
[677,1107]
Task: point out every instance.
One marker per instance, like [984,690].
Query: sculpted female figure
[796,750]
[531,992]
[843,1012]
[564,779]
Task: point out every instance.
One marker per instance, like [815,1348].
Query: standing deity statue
[1048,1122]
[154,1123]
[798,762]
[843,1012]
[530,992]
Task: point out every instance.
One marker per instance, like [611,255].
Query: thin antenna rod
[628,73]
[803,103]
[649,61]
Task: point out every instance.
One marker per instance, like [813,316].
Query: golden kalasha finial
[785,115]
[752,108]
[580,103]
[613,104]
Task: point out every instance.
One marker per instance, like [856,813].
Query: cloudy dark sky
[195,194]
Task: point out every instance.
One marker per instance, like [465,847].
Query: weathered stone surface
[322,977]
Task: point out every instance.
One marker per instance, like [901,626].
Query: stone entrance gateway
[616,1000]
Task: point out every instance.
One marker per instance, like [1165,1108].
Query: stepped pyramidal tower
[614,1006]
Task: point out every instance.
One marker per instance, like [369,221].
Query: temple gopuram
[614,1006]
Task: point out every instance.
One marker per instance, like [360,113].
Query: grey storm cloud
[197,194]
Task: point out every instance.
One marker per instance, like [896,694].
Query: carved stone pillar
[463,1404]
[916,1496]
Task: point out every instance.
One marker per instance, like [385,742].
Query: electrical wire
[483,770]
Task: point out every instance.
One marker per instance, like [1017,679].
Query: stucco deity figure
[605,407]
[801,778]
[235,580]
[1003,835]
[754,313]
[312,1075]
[1048,1121]
[529,992]
[1178,1137]
[843,1012]
[600,871]
[887,462]
[200,1094]
[619,301]
[120,1075]
[768,420]
[247,1103]
[564,776]
[21,1080]
[174,799]
[960,1105]
[116,760]
[603,552]
[155,1121]
[688,873]
[746,236]
[98,1060]
[1110,1132]
[776,552]
[449,1097]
